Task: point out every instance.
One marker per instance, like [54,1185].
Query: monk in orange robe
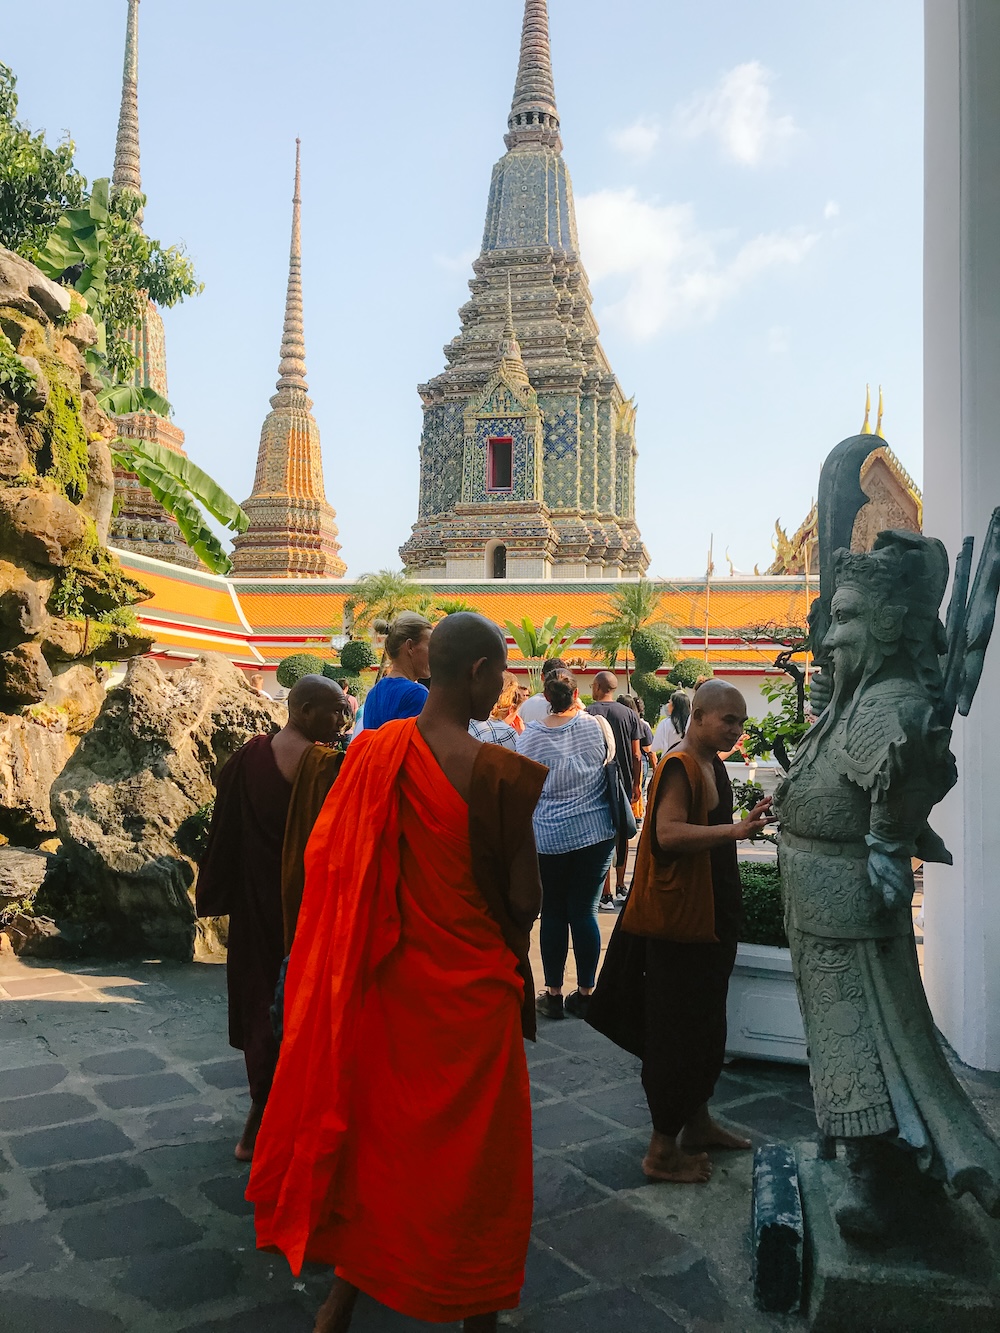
[396,1143]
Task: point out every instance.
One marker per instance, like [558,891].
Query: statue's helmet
[903,578]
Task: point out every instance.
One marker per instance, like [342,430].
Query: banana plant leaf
[178,503]
[190,478]
[121,399]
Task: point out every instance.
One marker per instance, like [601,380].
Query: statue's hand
[892,876]
[820,690]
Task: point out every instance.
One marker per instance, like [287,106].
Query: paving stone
[131,1060]
[539,1051]
[27,1245]
[35,1078]
[546,1277]
[626,1104]
[50,983]
[559,1189]
[540,1093]
[601,1312]
[290,1317]
[140,1227]
[573,1035]
[70,1143]
[615,1163]
[145,1090]
[575,1074]
[227,1192]
[178,1122]
[70,1186]
[44,1108]
[39,1314]
[563,1123]
[694,1290]
[180,1279]
[225,1073]
[775,1118]
[370,1317]
[615,1242]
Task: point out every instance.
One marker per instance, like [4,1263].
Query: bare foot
[245,1147]
[665,1160]
[334,1315]
[703,1132]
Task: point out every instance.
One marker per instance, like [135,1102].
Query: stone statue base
[939,1270]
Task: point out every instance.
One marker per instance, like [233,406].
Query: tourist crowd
[381,899]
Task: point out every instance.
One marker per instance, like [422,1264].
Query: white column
[961,488]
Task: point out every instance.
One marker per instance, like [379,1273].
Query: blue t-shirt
[393,697]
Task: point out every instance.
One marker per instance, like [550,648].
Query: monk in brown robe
[663,988]
[396,1142]
[241,872]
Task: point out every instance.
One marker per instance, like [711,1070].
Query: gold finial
[866,429]
[878,423]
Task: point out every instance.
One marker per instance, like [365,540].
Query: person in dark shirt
[663,988]
[399,693]
[624,724]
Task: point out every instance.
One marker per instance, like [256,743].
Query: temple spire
[509,348]
[878,423]
[126,173]
[292,367]
[533,116]
[866,428]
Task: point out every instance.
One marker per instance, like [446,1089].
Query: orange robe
[396,1143]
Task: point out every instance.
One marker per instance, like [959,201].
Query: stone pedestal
[941,1274]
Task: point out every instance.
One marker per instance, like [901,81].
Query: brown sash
[671,896]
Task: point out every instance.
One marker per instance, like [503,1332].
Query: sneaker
[621,893]
[549,1006]
[606,905]
[577,1004]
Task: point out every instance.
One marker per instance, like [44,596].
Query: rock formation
[148,763]
[65,601]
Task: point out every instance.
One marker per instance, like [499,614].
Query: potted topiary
[764,1019]
[291,669]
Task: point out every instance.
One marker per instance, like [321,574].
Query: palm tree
[451,606]
[383,595]
[626,612]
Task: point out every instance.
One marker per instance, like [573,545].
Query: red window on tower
[500,464]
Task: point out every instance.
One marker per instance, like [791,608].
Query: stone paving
[121,1206]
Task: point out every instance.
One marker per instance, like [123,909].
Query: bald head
[715,696]
[605,684]
[317,708]
[461,640]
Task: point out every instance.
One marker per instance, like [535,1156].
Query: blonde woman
[399,693]
[500,728]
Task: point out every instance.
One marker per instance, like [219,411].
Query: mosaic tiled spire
[126,173]
[533,116]
[293,531]
[509,349]
[570,512]
[141,523]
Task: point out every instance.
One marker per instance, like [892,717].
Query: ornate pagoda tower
[293,531]
[527,456]
[142,524]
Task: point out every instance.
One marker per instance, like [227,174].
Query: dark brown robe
[314,777]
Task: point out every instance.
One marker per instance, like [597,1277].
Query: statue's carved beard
[848,668]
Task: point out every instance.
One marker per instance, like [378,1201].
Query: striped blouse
[573,809]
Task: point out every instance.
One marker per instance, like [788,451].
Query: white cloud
[637,140]
[737,112]
[672,273]
[832,210]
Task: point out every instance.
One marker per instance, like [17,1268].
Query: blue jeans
[572,883]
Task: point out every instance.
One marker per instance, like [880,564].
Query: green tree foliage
[382,596]
[357,655]
[780,730]
[37,181]
[685,672]
[650,650]
[763,912]
[536,643]
[181,486]
[451,606]
[627,612]
[291,669]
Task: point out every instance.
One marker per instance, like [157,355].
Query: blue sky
[748,181]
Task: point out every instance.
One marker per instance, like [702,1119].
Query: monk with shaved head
[259,814]
[396,1144]
[662,992]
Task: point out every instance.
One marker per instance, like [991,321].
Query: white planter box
[763,1012]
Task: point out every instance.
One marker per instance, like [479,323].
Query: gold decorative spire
[533,116]
[292,367]
[866,429]
[126,173]
[878,423]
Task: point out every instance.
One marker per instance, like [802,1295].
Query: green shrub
[763,909]
[356,655]
[192,833]
[685,672]
[291,669]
